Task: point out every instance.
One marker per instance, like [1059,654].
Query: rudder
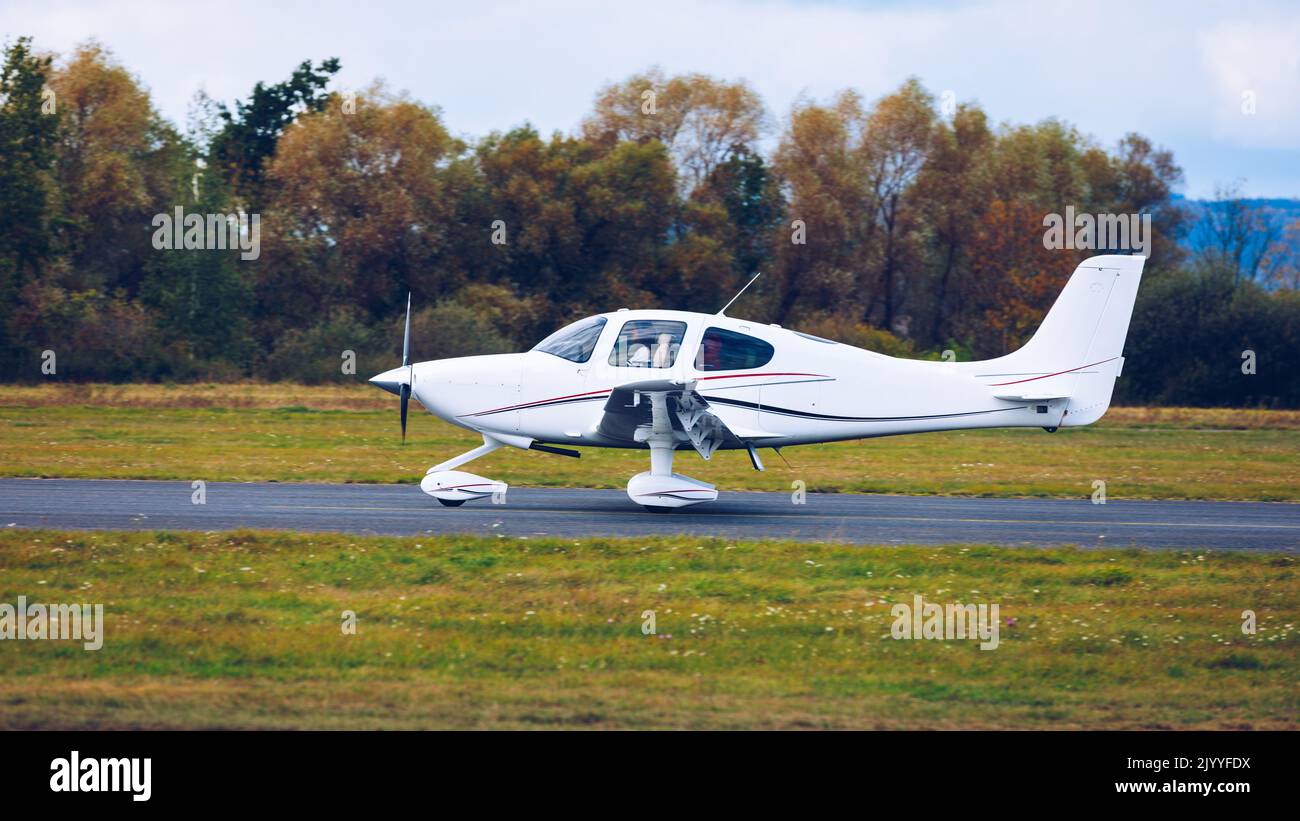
[1077,352]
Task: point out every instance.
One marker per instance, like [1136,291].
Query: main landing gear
[659,490]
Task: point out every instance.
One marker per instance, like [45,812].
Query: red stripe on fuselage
[1049,375]
[538,402]
[608,390]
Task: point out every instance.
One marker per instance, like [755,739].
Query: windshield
[574,342]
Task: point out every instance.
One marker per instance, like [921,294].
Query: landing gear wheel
[657,508]
[451,502]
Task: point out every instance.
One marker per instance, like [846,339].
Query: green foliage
[316,354]
[1189,338]
[95,336]
[249,135]
[449,329]
[854,332]
[27,140]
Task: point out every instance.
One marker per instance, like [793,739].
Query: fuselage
[764,382]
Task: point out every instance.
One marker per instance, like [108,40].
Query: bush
[850,331]
[446,330]
[316,354]
[94,336]
[1189,331]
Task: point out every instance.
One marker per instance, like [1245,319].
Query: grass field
[350,434]
[242,630]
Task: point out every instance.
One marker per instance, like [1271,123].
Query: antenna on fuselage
[723,312]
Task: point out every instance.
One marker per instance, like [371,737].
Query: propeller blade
[406,398]
[406,363]
[406,338]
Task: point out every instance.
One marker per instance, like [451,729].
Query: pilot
[638,356]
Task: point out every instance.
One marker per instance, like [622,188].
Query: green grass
[243,630]
[1159,459]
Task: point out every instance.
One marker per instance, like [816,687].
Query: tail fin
[1077,352]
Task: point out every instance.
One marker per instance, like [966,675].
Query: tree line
[910,225]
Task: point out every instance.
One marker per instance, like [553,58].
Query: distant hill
[1280,211]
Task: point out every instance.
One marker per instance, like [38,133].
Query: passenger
[710,357]
[664,351]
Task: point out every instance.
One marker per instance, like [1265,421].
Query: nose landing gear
[456,487]
[453,488]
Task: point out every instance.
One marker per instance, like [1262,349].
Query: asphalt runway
[860,519]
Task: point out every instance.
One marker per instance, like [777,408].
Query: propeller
[398,380]
[406,363]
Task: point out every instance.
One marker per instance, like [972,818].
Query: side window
[729,351]
[648,343]
[574,342]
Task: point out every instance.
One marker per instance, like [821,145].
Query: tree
[828,225]
[361,210]
[1139,178]
[248,137]
[626,205]
[118,164]
[1235,236]
[528,184]
[1013,279]
[952,191]
[1190,330]
[701,120]
[27,192]
[751,194]
[895,146]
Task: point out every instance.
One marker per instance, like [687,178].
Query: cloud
[1254,65]
[1168,70]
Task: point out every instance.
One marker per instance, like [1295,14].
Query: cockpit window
[729,351]
[574,342]
[648,343]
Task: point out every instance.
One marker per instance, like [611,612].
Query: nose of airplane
[391,380]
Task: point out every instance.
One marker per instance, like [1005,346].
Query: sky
[1182,74]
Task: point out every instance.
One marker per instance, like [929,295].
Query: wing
[636,410]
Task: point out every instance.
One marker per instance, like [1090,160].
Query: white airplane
[664,380]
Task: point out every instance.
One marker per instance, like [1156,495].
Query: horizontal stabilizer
[1029,397]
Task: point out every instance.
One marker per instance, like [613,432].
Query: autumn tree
[820,161]
[362,209]
[527,184]
[895,146]
[952,191]
[118,163]
[701,120]
[1012,282]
